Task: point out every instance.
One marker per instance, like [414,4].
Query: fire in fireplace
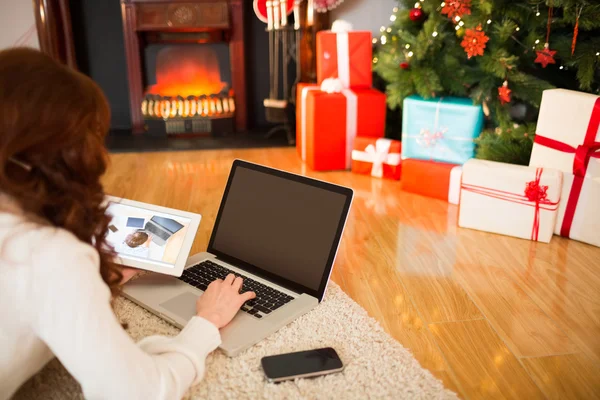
[185,66]
[192,87]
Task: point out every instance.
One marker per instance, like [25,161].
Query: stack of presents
[341,124]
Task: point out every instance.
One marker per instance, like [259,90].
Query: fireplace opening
[188,89]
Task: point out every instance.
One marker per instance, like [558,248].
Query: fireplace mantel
[215,18]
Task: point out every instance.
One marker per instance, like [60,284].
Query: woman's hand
[128,274]
[222,300]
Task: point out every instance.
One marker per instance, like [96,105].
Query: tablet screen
[145,235]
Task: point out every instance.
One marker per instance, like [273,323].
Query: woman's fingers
[237,284]
[229,279]
[247,296]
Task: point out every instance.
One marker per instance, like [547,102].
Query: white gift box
[568,139]
[509,199]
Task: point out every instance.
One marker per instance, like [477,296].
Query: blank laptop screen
[279,225]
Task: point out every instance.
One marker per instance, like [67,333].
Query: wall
[365,14]
[17,24]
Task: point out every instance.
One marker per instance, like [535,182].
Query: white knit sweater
[53,302]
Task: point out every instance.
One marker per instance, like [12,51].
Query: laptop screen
[282,224]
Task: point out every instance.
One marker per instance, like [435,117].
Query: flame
[187,70]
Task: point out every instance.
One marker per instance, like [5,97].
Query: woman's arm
[71,313]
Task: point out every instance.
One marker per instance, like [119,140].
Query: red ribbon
[589,149]
[535,195]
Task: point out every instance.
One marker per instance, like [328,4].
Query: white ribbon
[343,57]
[378,155]
[454,187]
[333,86]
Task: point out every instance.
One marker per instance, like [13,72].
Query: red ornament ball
[416,14]
[404,65]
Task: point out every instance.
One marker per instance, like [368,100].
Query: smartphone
[301,364]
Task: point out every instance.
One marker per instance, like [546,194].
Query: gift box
[347,56]
[329,121]
[379,158]
[512,200]
[568,139]
[441,129]
[432,179]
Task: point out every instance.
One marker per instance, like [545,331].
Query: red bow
[534,193]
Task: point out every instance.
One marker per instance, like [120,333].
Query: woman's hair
[55,120]
[136,239]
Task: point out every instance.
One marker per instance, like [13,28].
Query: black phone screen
[301,363]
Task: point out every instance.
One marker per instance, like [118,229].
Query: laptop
[280,232]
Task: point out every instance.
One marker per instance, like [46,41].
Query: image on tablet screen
[145,235]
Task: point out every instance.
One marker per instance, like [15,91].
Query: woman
[56,274]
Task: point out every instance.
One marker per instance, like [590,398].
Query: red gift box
[347,56]
[377,157]
[432,179]
[328,123]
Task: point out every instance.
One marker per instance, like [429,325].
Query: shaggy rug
[377,366]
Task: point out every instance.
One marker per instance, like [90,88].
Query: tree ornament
[474,41]
[504,93]
[457,8]
[416,14]
[576,31]
[404,65]
[545,56]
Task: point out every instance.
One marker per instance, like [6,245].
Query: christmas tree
[500,53]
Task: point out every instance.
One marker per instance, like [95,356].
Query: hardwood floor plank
[523,326]
[558,278]
[484,366]
[570,376]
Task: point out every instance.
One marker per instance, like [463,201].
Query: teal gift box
[440,129]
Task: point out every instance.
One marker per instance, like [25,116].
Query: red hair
[55,120]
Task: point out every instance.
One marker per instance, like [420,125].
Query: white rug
[377,366]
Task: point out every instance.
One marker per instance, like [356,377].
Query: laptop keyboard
[150,227]
[266,301]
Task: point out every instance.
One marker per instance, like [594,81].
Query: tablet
[150,237]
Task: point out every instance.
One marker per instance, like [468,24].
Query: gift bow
[340,26]
[377,154]
[332,85]
[583,152]
[534,195]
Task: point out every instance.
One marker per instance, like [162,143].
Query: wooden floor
[492,316]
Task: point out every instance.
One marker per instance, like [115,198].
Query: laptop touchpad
[183,305]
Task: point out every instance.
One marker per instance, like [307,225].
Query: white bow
[341,26]
[378,154]
[332,85]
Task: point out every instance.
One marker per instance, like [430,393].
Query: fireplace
[186,66]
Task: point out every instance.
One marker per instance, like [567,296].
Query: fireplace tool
[284,48]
